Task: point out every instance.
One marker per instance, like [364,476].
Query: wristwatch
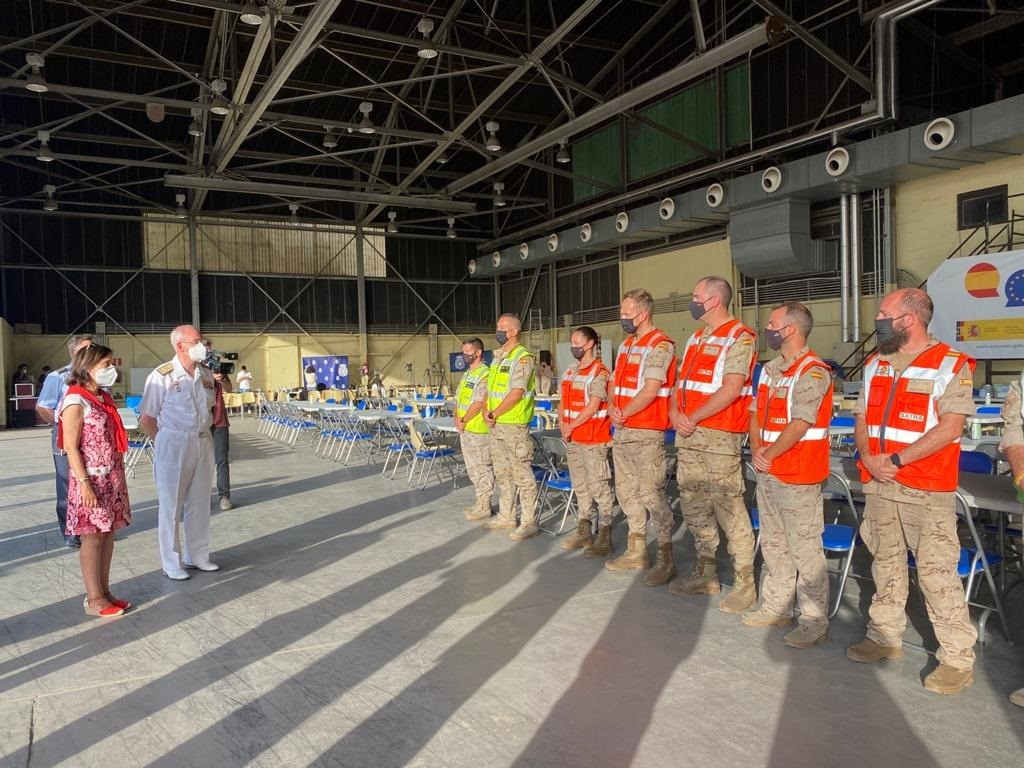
[895,459]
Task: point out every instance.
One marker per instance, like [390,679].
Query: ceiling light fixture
[493,144]
[251,14]
[392,227]
[35,81]
[180,212]
[499,196]
[563,152]
[450,234]
[195,129]
[330,140]
[366,124]
[219,105]
[294,208]
[427,49]
[443,157]
[43,154]
[49,204]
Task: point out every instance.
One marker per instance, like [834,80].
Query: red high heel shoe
[124,605]
[109,612]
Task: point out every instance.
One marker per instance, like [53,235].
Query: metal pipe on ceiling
[314,193]
[853,210]
[771,30]
[844,268]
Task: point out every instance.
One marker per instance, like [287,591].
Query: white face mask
[197,353]
[106,377]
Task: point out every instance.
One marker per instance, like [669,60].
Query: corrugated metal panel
[597,156]
[692,112]
[302,250]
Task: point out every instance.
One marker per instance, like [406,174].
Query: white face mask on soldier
[106,377]
[197,352]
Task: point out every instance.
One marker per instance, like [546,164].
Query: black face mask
[697,310]
[502,337]
[889,339]
[577,352]
[628,325]
[774,339]
[467,360]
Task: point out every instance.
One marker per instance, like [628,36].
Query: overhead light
[294,208]
[450,234]
[330,140]
[180,212]
[251,14]
[499,197]
[219,105]
[43,154]
[563,152]
[392,227]
[366,124]
[35,81]
[427,49]
[443,157]
[493,144]
[49,204]
[195,129]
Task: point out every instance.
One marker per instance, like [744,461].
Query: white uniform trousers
[183,467]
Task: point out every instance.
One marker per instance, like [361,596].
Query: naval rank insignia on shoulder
[165,369]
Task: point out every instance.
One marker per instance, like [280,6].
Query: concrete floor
[356,623]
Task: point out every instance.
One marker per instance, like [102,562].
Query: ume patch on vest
[921,386]
[905,416]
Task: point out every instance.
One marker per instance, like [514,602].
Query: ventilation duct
[715,195]
[837,161]
[771,180]
[772,239]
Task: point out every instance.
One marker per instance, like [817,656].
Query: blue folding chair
[976,462]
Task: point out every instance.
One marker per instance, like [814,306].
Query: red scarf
[114,423]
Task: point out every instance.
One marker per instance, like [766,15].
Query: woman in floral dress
[91,433]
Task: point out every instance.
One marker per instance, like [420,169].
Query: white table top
[376,415]
[315,407]
[840,431]
[985,418]
[995,492]
[128,418]
[442,423]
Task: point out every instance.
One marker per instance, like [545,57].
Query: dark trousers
[63,471]
[221,445]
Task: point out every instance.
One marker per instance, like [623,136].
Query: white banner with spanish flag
[979,304]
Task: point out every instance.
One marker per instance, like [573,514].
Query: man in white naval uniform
[176,411]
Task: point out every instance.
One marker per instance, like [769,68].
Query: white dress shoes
[176,574]
[207,566]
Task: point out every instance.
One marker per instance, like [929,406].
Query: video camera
[213,362]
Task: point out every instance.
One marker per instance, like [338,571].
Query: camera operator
[221,440]
[177,413]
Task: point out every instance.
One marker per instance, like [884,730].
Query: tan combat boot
[479,511]
[664,569]
[868,651]
[635,556]
[703,580]
[582,537]
[762,617]
[806,635]
[506,517]
[743,594]
[948,680]
[602,546]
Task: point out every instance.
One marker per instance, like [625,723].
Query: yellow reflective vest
[498,381]
[464,398]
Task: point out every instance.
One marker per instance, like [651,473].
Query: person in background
[310,378]
[544,374]
[90,431]
[587,433]
[474,435]
[244,380]
[1013,446]
[177,412]
[221,435]
[21,376]
[42,377]
[48,406]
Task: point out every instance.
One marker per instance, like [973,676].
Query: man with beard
[915,398]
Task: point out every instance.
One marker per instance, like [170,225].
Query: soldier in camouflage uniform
[474,436]
[916,396]
[790,450]
[511,385]
[710,416]
[1013,446]
[587,433]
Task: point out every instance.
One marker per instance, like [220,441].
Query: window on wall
[981,207]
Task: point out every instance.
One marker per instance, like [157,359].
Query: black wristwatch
[895,459]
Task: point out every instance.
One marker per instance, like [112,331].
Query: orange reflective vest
[900,410]
[806,463]
[701,374]
[576,396]
[629,380]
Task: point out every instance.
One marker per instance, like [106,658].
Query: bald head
[184,333]
[916,302]
[511,322]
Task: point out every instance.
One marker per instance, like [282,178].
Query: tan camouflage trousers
[640,480]
[476,451]
[711,495]
[511,455]
[891,528]
[591,480]
[792,521]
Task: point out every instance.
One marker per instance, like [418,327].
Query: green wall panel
[597,156]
